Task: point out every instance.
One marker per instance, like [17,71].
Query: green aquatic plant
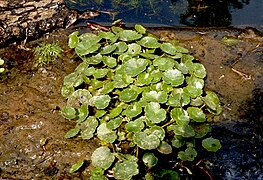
[131,89]
[1,63]
[45,53]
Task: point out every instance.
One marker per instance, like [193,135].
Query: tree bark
[28,19]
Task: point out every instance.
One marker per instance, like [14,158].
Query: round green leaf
[76,166]
[145,141]
[154,96]
[198,70]
[88,127]
[140,29]
[102,157]
[106,35]
[183,130]
[144,79]
[114,123]
[72,133]
[80,96]
[134,66]
[196,114]
[149,159]
[156,130]
[83,112]
[68,112]
[135,126]
[129,35]
[168,48]
[157,75]
[211,100]
[211,144]
[165,148]
[128,95]
[132,110]
[102,101]
[67,91]
[121,47]
[86,47]
[100,73]
[173,77]
[178,98]
[164,63]
[180,115]
[110,61]
[134,49]
[106,134]
[177,141]
[201,130]
[107,87]
[188,155]
[149,42]
[115,112]
[108,49]
[125,169]
[93,59]
[154,113]
[73,39]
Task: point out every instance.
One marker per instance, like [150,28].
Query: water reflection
[209,12]
[170,12]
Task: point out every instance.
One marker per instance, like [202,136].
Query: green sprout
[45,53]
[141,92]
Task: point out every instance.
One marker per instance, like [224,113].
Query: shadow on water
[201,13]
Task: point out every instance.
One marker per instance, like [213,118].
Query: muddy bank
[32,130]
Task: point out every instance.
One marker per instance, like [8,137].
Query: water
[197,13]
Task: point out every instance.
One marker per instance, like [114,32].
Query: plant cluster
[1,63]
[45,53]
[139,97]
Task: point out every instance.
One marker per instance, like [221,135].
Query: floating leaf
[198,70]
[102,157]
[156,130]
[164,63]
[149,159]
[91,37]
[230,41]
[121,47]
[86,47]
[168,48]
[211,100]
[97,174]
[107,87]
[195,86]
[134,66]
[154,96]
[100,73]
[154,113]
[73,39]
[128,95]
[173,77]
[196,114]
[102,101]
[201,130]
[140,29]
[68,112]
[83,112]
[180,115]
[93,59]
[145,141]
[77,166]
[72,133]
[177,141]
[125,169]
[108,49]
[129,35]
[106,134]
[132,110]
[88,127]
[106,35]
[157,75]
[197,102]
[133,49]
[149,42]
[80,96]
[115,112]
[183,130]
[135,126]
[144,79]
[66,91]
[114,123]
[188,155]
[165,148]
[211,144]
[178,98]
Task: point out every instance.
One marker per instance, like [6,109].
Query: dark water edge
[177,13]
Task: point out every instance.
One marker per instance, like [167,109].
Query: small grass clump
[45,53]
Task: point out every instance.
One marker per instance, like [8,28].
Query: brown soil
[32,143]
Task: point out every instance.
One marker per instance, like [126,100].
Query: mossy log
[28,19]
